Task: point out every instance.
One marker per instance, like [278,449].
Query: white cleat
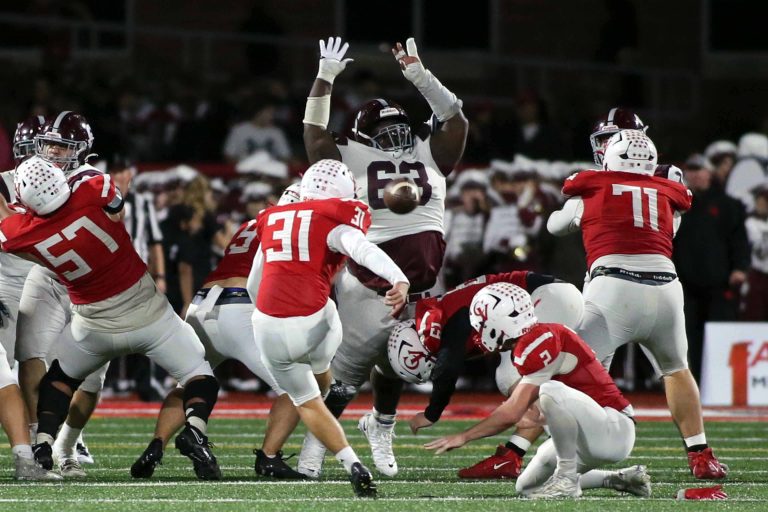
[69,467]
[83,454]
[311,457]
[634,480]
[555,487]
[28,469]
[380,438]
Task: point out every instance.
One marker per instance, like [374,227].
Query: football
[401,195]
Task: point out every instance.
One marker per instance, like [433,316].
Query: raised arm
[450,137]
[318,141]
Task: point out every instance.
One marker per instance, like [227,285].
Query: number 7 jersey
[627,213]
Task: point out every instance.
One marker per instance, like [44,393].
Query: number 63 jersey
[374,168]
[627,213]
[90,253]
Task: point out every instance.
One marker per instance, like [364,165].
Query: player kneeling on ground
[588,418]
[296,325]
[116,307]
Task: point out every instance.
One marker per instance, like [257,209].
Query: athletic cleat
[705,466]
[29,469]
[505,463]
[193,444]
[311,457]
[556,486]
[362,481]
[275,466]
[69,467]
[43,455]
[380,438]
[702,493]
[145,465]
[83,454]
[634,480]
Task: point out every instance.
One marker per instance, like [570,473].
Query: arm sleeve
[351,242]
[568,219]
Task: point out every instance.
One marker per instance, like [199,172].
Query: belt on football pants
[228,296]
[412,297]
[650,278]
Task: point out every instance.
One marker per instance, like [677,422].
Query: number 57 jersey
[91,254]
[627,213]
[374,168]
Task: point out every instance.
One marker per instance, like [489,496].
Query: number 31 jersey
[627,213]
[374,168]
[91,254]
[298,264]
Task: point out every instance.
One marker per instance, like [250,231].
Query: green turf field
[425,482]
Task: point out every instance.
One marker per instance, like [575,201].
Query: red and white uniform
[633,294]
[586,414]
[117,309]
[295,323]
[239,254]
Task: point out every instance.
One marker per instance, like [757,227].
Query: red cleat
[505,463]
[705,466]
[702,493]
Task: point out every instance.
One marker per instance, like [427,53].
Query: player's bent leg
[538,470]
[200,394]
[282,421]
[169,421]
[632,480]
[31,372]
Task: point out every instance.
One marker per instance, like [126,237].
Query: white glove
[332,61]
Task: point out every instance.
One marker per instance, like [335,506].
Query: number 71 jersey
[374,168]
[627,213]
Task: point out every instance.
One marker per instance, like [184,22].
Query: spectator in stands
[722,155]
[756,300]
[711,255]
[536,137]
[257,133]
[750,169]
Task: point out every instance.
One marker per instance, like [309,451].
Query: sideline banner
[735,366]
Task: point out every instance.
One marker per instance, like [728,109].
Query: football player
[221,314]
[435,345]
[13,269]
[116,308]
[563,387]
[44,310]
[303,246]
[628,217]
[383,146]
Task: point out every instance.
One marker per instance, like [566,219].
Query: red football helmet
[65,140]
[617,119]
[384,125]
[24,138]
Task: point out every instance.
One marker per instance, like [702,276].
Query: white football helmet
[500,312]
[291,195]
[328,178]
[560,303]
[630,151]
[408,356]
[41,185]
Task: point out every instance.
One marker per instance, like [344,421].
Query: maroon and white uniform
[633,294]
[414,241]
[116,308]
[295,323]
[573,387]
[221,317]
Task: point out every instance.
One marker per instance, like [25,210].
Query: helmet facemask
[64,153]
[23,150]
[393,138]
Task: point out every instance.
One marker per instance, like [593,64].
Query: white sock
[347,457]
[43,438]
[23,450]
[520,442]
[596,479]
[566,467]
[198,423]
[32,431]
[67,439]
[695,440]
[384,419]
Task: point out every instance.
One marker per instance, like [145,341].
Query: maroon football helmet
[24,138]
[384,125]
[65,140]
[617,119]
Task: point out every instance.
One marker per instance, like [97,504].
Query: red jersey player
[295,323]
[116,308]
[588,418]
[628,219]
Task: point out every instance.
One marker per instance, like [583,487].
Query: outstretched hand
[409,61]
[332,61]
[396,297]
[446,444]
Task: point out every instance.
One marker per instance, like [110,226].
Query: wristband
[318,111]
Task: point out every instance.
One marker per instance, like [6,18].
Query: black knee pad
[56,374]
[339,397]
[206,389]
[53,403]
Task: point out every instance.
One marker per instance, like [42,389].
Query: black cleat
[275,466]
[145,465]
[192,443]
[362,481]
[43,455]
